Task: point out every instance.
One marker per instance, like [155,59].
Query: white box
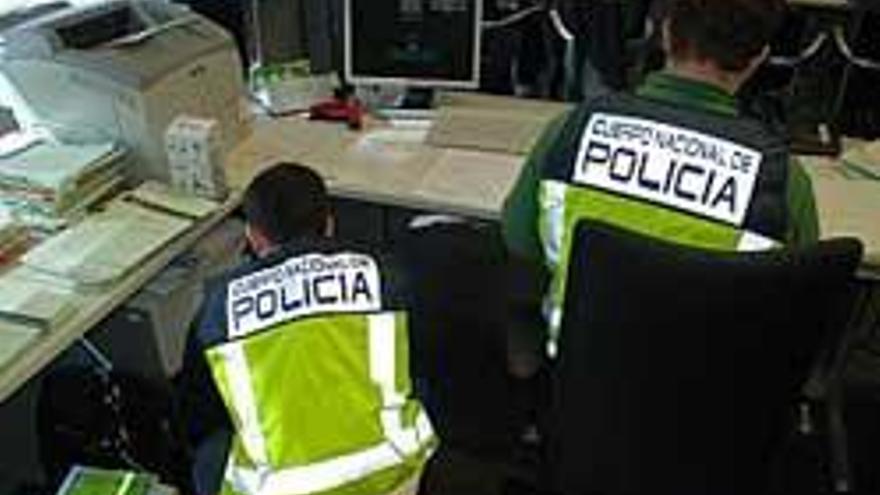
[195,157]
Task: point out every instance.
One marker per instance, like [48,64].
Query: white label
[304,286]
[668,165]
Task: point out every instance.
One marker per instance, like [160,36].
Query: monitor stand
[399,104]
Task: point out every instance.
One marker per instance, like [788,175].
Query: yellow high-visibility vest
[314,372]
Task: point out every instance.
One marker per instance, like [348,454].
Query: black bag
[111,420]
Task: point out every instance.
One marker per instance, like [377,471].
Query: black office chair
[458,332]
[678,367]
[458,349]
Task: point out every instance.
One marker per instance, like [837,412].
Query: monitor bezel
[472,83]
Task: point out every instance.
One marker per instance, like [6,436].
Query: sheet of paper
[52,165]
[495,130]
[33,302]
[395,136]
[473,179]
[157,195]
[14,338]
[105,246]
[288,140]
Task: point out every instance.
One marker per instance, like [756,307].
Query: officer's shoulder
[746,126]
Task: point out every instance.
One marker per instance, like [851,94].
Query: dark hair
[287,201]
[729,32]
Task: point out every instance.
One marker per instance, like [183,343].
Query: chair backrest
[457,330]
[677,366]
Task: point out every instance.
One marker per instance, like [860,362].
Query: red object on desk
[347,110]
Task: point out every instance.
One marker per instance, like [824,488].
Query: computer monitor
[413,43]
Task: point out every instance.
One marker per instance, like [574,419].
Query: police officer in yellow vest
[307,346]
[676,160]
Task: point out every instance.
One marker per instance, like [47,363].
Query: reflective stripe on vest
[238,372]
[401,442]
[407,441]
[316,477]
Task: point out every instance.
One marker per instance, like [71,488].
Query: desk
[473,183]
[92,307]
[847,206]
[410,175]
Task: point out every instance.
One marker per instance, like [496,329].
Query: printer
[126,69]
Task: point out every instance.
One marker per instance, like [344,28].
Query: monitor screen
[413,42]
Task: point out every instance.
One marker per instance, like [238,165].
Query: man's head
[284,202]
[724,40]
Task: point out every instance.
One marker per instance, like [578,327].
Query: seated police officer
[675,160]
[306,349]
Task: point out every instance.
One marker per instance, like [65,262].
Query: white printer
[128,68]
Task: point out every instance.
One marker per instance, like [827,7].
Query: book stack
[47,184]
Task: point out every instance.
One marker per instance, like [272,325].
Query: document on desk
[379,171]
[34,301]
[289,139]
[30,305]
[14,338]
[477,181]
[162,197]
[52,165]
[394,146]
[105,246]
[489,129]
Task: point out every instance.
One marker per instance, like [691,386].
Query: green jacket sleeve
[803,221]
[519,216]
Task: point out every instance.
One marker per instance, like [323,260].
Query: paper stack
[48,183]
[163,198]
[13,236]
[34,300]
[107,245]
